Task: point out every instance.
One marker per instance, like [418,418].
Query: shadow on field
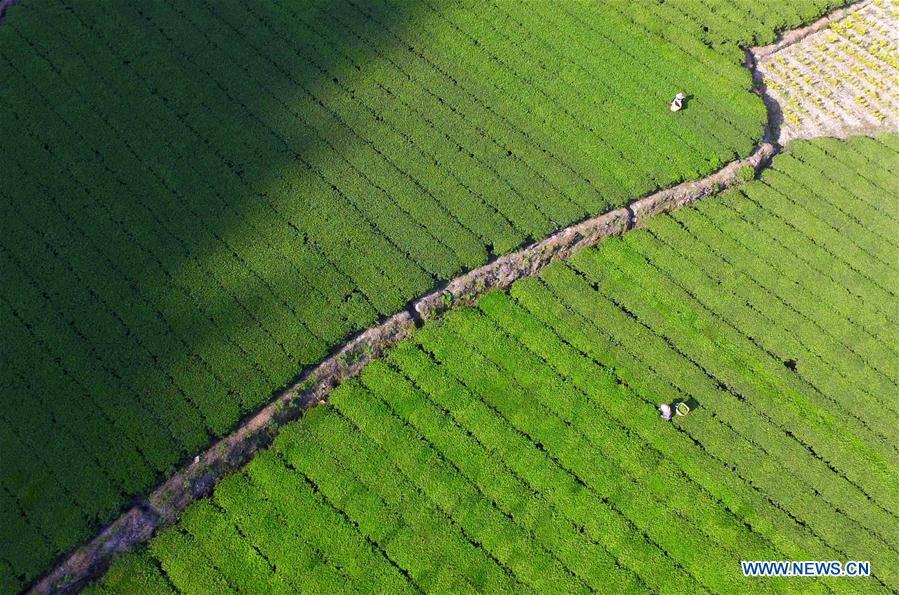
[164,214]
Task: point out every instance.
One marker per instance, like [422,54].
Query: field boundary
[197,479]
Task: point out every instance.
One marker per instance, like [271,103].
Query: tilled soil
[841,80]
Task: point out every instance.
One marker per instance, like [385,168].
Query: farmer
[667,411]
[678,102]
[677,408]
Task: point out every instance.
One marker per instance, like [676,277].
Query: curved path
[163,506]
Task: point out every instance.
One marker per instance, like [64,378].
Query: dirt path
[163,506]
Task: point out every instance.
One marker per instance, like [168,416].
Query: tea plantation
[517,445]
[203,199]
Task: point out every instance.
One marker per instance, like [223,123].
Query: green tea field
[203,204]
[516,446]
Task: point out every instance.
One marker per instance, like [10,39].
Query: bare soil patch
[840,80]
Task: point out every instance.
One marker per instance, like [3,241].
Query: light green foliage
[747,173]
[727,26]
[137,573]
[516,446]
